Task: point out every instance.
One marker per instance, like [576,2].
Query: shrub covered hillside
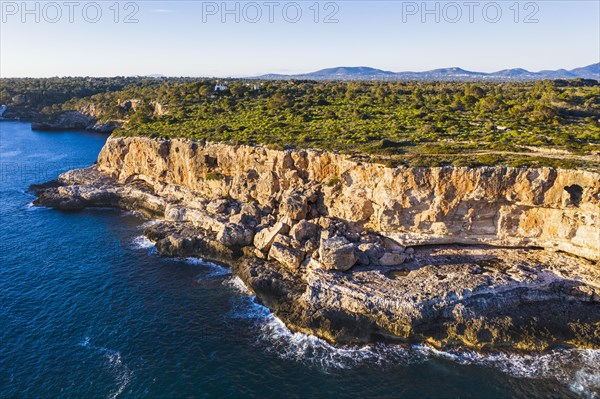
[554,123]
[34,98]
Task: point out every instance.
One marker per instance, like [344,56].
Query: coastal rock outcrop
[533,207]
[287,256]
[79,120]
[337,254]
[265,237]
[353,251]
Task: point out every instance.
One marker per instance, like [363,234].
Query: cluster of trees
[402,120]
[33,97]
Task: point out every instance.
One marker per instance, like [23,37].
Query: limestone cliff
[336,246]
[553,209]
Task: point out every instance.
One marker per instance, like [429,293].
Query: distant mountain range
[366,73]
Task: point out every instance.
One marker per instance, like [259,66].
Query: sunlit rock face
[541,207]
[355,252]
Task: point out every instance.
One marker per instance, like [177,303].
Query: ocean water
[88,310]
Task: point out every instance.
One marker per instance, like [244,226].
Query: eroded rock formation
[543,207]
[335,246]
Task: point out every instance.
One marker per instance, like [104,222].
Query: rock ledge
[346,261]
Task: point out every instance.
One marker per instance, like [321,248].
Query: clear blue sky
[189,38]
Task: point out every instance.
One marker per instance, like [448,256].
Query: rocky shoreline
[353,252]
[75,120]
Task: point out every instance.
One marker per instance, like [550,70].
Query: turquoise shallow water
[87,310]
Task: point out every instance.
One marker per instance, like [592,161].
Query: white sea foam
[30,207]
[237,284]
[118,369]
[244,307]
[276,337]
[121,372]
[142,242]
[214,269]
[149,223]
[317,352]
[133,212]
[577,369]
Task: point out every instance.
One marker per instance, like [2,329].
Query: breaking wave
[142,242]
[577,369]
[237,284]
[149,223]
[211,269]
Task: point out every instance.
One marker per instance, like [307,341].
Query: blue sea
[88,310]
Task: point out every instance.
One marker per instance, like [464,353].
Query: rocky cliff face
[336,247]
[553,209]
[85,119]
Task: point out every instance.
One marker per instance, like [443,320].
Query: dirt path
[536,152]
[542,154]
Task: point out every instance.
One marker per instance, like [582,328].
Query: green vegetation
[410,123]
[35,98]
[333,182]
[213,176]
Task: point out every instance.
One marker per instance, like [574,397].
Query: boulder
[283,240]
[217,206]
[294,205]
[310,246]
[288,257]
[198,217]
[244,219]
[363,259]
[176,246]
[251,209]
[235,235]
[352,236]
[392,259]
[392,246]
[324,222]
[259,254]
[373,251]
[304,230]
[264,238]
[337,254]
[326,234]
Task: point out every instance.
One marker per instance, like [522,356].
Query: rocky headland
[352,251]
[92,117]
[75,120]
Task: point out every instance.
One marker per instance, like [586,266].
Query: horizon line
[258,75]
